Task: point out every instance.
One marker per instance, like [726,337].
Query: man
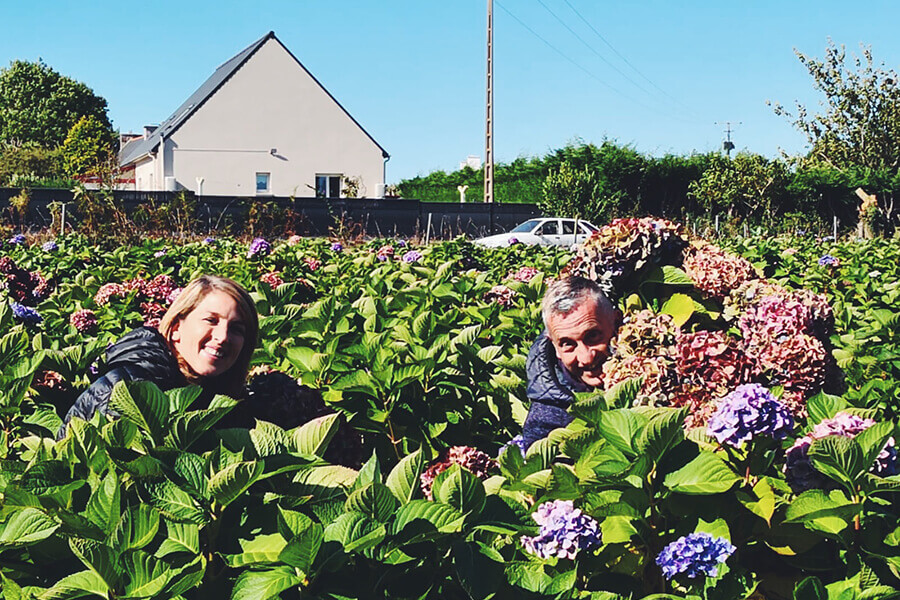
[568,356]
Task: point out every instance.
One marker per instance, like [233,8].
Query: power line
[591,48]
[574,63]
[619,54]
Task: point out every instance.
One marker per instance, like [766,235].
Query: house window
[262,183]
[328,185]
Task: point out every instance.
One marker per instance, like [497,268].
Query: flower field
[743,444]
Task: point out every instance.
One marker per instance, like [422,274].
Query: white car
[548,231]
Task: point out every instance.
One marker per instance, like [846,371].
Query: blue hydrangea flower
[693,555]
[564,532]
[208,240]
[829,261]
[750,410]
[401,243]
[17,239]
[50,246]
[337,247]
[25,314]
[412,256]
[259,246]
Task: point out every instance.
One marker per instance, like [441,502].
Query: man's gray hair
[566,294]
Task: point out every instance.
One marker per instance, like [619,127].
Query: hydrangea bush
[679,477]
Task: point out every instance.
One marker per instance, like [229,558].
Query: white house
[260,125]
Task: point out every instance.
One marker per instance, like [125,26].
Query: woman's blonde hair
[230,382]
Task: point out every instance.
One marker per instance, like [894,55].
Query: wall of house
[145,176]
[271,117]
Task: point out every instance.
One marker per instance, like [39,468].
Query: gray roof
[139,147]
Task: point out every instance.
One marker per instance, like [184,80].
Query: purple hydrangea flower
[208,240]
[693,555]
[25,314]
[564,532]
[259,246]
[159,253]
[801,475]
[17,239]
[401,243]
[412,256]
[50,246]
[518,442]
[513,240]
[750,410]
[337,247]
[829,261]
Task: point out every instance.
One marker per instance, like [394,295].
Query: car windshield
[526,226]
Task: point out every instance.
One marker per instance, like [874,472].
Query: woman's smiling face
[209,339]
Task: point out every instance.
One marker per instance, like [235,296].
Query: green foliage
[87,147]
[861,123]
[39,105]
[30,165]
[568,192]
[163,503]
[747,187]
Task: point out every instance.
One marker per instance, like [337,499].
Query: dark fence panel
[313,216]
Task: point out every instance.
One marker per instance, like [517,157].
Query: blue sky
[664,77]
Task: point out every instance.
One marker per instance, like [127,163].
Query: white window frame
[328,183]
[268,189]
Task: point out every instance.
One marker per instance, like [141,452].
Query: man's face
[581,339]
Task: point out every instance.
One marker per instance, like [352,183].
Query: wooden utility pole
[489,118]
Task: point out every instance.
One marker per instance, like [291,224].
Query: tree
[38,105]
[571,192]
[860,126]
[87,147]
[30,162]
[750,186]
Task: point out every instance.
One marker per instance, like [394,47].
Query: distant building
[260,125]
[472,161]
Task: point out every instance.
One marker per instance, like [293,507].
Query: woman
[206,338]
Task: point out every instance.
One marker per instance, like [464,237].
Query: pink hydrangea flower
[83,320]
[273,280]
[714,270]
[385,252]
[108,291]
[525,274]
[472,459]
[502,295]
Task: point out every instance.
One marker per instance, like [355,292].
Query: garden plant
[743,444]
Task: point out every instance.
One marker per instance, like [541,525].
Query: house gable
[270,118]
[263,100]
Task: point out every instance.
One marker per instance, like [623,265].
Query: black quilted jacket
[141,355]
[551,390]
